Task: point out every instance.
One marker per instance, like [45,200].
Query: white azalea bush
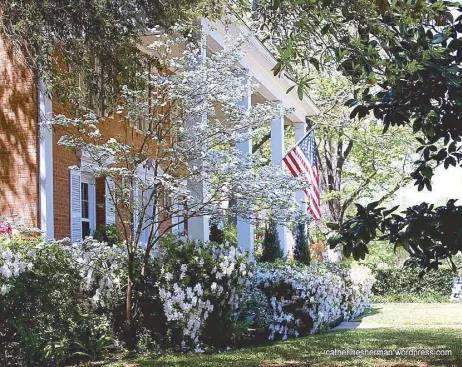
[56,298]
[199,285]
[304,298]
[63,296]
[13,263]
[362,281]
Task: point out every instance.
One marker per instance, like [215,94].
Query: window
[85,210]
[82,204]
[87,204]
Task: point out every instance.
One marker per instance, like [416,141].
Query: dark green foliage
[98,39]
[253,318]
[430,235]
[109,234]
[410,52]
[404,285]
[302,247]
[42,317]
[271,246]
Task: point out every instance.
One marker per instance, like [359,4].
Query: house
[37,186]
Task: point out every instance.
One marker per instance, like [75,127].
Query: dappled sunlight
[18,138]
[311,351]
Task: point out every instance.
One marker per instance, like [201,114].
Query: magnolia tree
[183,161]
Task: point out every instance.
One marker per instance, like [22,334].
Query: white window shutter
[180,219]
[92,206]
[136,197]
[177,219]
[148,219]
[109,202]
[76,203]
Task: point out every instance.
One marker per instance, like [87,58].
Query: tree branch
[263,140]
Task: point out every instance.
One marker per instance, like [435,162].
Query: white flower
[4,289]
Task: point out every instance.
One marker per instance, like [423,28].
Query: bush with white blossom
[53,295]
[199,286]
[194,294]
[303,298]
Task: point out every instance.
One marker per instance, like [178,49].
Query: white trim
[259,61]
[245,229]
[145,174]
[198,226]
[109,204]
[89,178]
[75,204]
[46,215]
[277,153]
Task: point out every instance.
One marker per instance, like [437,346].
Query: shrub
[404,285]
[199,286]
[271,245]
[109,234]
[304,298]
[302,247]
[317,250]
[39,292]
[47,289]
[254,315]
[62,302]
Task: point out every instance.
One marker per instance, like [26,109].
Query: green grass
[311,350]
[415,314]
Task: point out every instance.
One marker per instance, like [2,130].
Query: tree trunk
[130,327]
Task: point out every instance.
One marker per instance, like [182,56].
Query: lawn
[415,314]
[311,350]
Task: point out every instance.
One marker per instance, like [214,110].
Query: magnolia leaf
[333,225]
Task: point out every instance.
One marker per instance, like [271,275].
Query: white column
[198,226]
[277,153]
[45,163]
[300,130]
[245,230]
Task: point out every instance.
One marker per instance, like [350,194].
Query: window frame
[88,179]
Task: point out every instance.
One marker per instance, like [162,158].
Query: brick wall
[19,196]
[63,158]
[18,139]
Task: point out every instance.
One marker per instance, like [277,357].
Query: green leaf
[438,38]
[334,240]
[387,212]
[277,68]
[290,89]
[300,91]
[289,50]
[333,225]
[314,62]
[372,205]
[429,185]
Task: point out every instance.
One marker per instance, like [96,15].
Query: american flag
[301,161]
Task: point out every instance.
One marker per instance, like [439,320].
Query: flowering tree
[177,158]
[357,163]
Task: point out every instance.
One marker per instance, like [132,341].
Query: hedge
[404,285]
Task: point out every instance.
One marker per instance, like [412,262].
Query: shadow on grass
[374,310]
[317,351]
